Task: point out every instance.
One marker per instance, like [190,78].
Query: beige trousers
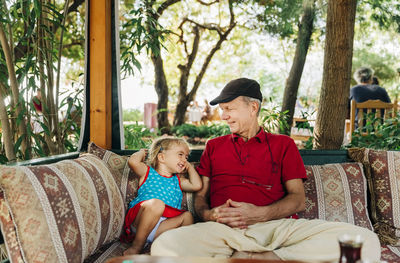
[290,239]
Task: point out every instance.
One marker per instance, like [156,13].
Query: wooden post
[100,72]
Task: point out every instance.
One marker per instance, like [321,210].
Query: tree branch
[217,46]
[210,26]
[207,4]
[75,5]
[163,7]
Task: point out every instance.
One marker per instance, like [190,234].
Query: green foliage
[201,131]
[132,115]
[216,130]
[140,30]
[377,134]
[137,136]
[273,120]
[279,17]
[33,28]
[385,13]
[384,65]
[185,129]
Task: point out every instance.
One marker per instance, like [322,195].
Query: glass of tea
[350,247]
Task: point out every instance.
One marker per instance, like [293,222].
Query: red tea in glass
[350,248]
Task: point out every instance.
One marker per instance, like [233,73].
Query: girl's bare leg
[146,219]
[183,219]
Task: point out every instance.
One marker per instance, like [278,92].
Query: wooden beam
[100,72]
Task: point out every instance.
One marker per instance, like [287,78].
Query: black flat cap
[236,88]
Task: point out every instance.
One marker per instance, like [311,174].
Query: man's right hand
[213,214]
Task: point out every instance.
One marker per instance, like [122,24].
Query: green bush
[273,120]
[132,115]
[185,129]
[378,134]
[216,130]
[202,131]
[138,136]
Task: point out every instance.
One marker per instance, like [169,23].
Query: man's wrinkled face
[239,115]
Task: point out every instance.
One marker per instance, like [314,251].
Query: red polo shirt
[244,171]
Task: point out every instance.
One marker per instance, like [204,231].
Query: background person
[252,189]
[365,90]
[157,207]
[37,119]
[195,113]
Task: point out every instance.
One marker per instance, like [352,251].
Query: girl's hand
[143,152]
[188,166]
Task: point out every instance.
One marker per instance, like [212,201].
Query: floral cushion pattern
[336,192]
[60,212]
[382,169]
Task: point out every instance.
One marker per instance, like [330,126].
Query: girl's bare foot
[132,251]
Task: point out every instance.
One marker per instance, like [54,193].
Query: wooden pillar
[100,72]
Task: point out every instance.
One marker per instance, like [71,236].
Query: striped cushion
[126,179]
[336,192]
[60,212]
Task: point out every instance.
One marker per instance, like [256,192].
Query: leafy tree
[31,41]
[190,33]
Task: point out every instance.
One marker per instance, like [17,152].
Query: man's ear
[254,107]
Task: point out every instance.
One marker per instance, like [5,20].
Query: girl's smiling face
[175,158]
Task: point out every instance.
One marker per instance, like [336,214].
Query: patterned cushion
[126,179]
[390,254]
[129,181]
[383,173]
[336,192]
[61,212]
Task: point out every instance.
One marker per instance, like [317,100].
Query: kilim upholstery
[73,210]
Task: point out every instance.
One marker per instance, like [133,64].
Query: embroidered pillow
[61,212]
[336,192]
[382,169]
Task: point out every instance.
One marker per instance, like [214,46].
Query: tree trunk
[302,45]
[161,88]
[14,86]
[329,128]
[7,134]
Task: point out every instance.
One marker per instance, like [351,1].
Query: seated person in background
[365,89]
[252,190]
[157,207]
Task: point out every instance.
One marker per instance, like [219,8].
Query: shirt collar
[260,136]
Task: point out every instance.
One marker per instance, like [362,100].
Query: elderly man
[252,189]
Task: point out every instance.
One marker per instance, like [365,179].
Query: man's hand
[237,214]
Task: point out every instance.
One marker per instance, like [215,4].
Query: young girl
[157,207]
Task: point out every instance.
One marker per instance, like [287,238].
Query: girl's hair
[162,144]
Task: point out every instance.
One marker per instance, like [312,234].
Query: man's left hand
[238,214]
